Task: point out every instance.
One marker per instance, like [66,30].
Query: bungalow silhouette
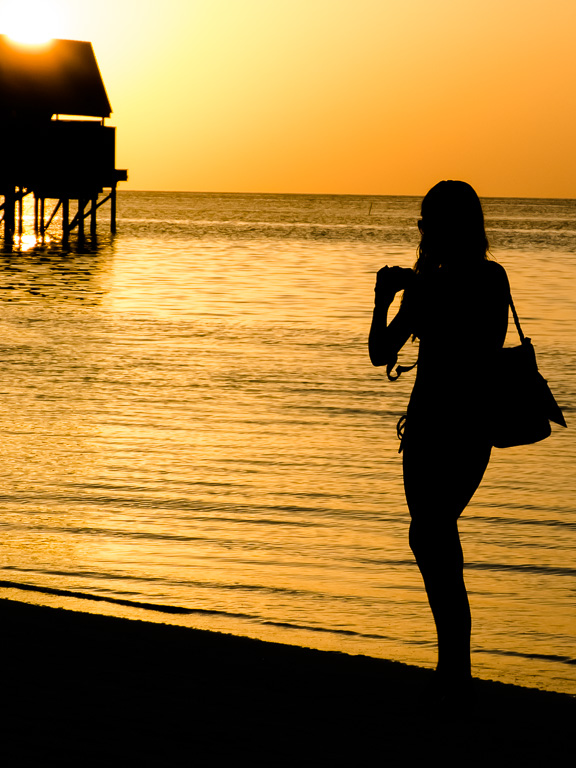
[45,155]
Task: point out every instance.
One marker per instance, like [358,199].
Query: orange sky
[341,96]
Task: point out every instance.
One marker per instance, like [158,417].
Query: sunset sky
[338,96]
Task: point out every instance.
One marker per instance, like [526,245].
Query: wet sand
[83,689]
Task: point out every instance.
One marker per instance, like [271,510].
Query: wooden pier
[54,143]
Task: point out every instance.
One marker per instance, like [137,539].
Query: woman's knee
[436,545]
[423,538]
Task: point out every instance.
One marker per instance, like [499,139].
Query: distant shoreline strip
[117,600]
[177,610]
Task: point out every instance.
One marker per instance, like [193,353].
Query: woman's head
[452,227]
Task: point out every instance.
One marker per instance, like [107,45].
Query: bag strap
[516,320]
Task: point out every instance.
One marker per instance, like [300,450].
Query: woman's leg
[439,483]
[439,557]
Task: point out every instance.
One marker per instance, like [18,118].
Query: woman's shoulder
[494,269]
[496,275]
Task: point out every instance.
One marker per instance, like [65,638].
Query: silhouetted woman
[456,303]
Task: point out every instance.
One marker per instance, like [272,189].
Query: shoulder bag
[522,405]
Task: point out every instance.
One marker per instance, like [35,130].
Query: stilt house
[45,155]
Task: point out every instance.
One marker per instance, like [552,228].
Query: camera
[390,280]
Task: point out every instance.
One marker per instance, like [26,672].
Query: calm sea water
[192,432]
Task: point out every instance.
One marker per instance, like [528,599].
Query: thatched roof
[58,78]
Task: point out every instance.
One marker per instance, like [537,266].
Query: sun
[31,22]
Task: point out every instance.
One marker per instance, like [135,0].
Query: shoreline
[96,687]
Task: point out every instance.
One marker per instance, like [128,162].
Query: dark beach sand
[82,689]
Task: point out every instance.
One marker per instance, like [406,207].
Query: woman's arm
[500,300]
[386,340]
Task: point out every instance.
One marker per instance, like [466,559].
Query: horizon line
[332,194]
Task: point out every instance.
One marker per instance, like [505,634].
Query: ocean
[192,431]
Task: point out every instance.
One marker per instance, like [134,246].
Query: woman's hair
[452,227]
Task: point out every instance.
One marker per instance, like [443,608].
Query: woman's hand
[385,339]
[390,280]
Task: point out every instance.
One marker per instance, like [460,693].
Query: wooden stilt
[113,210]
[20,211]
[65,219]
[36,212]
[94,205]
[9,214]
[80,217]
[42,205]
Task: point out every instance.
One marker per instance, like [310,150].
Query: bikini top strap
[400,369]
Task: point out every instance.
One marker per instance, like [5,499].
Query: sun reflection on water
[193,421]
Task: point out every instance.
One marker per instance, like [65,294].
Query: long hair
[452,227]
